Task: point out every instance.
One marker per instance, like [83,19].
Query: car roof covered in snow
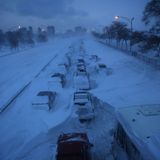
[43,97]
[140,123]
[73,137]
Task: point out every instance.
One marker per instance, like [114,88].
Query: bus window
[124,141]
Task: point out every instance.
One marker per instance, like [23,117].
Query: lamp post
[130,20]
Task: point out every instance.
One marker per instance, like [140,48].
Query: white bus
[138,133]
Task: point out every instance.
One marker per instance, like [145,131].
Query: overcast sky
[65,14]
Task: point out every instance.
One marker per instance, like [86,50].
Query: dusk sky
[65,14]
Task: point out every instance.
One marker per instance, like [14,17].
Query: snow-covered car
[138,133]
[101,66]
[94,58]
[84,106]
[60,69]
[81,97]
[44,100]
[64,65]
[81,81]
[60,78]
[85,113]
[74,146]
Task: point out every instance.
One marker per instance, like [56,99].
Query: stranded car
[94,58]
[64,65]
[81,98]
[60,68]
[60,78]
[101,66]
[84,106]
[85,113]
[73,146]
[44,100]
[81,82]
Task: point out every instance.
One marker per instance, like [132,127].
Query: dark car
[73,146]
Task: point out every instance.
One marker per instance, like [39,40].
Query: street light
[19,27]
[130,20]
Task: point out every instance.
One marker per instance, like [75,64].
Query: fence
[155,62]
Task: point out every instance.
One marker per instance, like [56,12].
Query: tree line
[25,36]
[144,40]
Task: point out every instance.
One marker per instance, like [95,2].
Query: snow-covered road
[19,123]
[132,82]
[31,134]
[19,69]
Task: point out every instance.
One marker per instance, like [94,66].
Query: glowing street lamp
[116,17]
[130,20]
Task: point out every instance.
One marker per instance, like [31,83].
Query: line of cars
[45,99]
[81,77]
[70,146]
[82,99]
[76,146]
[137,132]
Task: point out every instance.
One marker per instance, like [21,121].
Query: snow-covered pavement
[30,134]
[20,122]
[19,69]
[132,82]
